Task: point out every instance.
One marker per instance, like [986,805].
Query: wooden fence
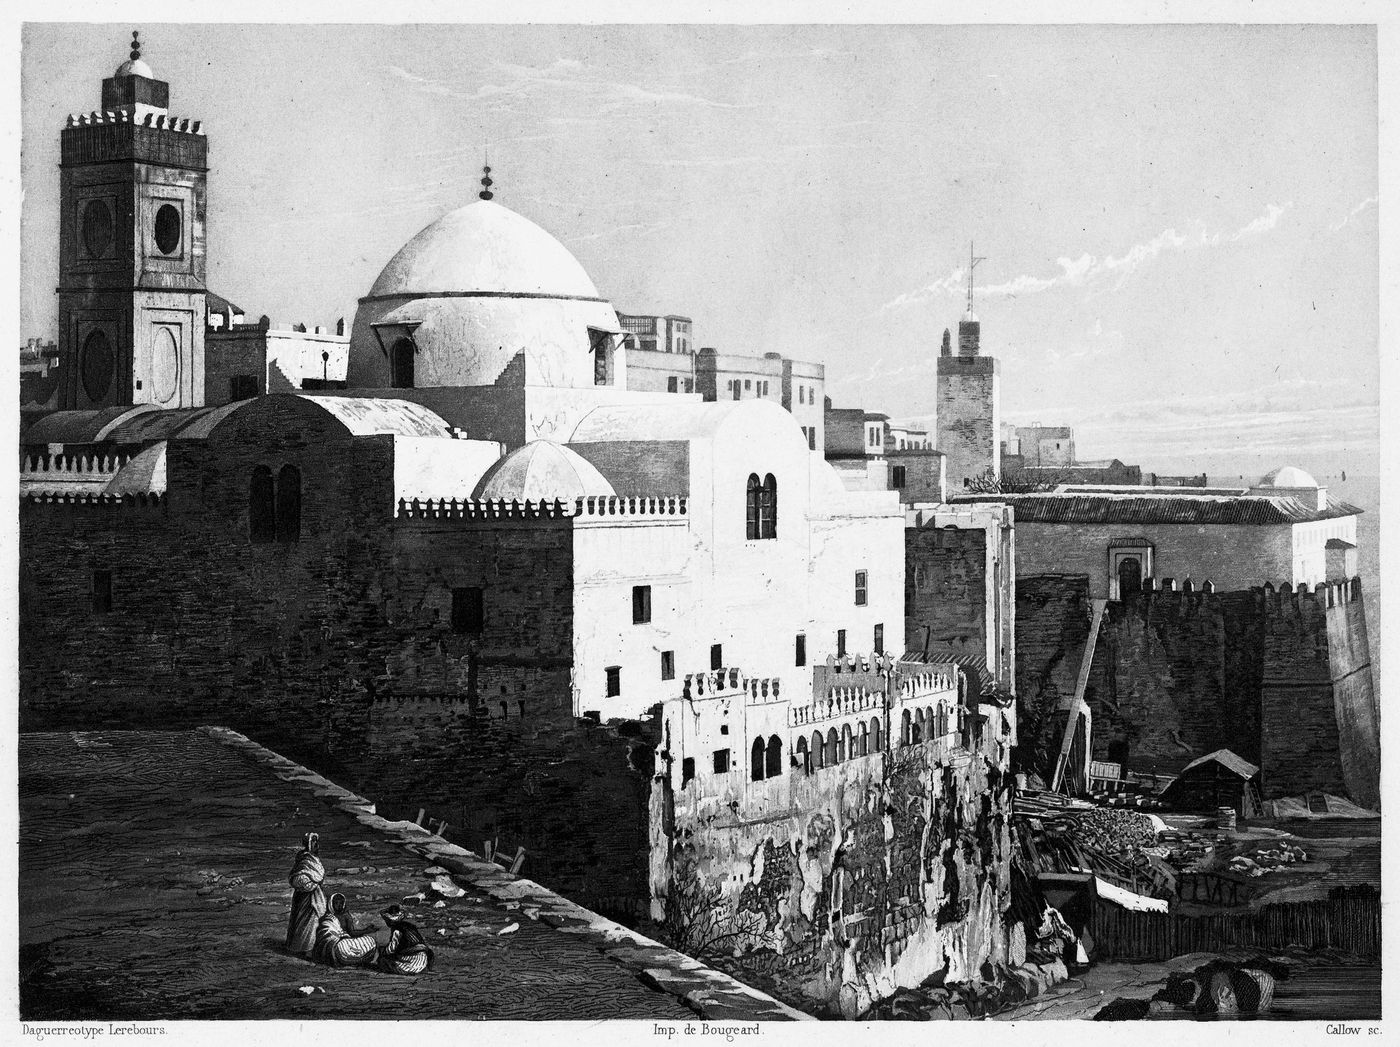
[1352,924]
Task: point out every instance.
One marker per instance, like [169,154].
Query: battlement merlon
[593,509]
[166,141]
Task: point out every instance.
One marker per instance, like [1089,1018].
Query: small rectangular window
[687,771]
[812,438]
[898,476]
[242,387]
[672,385]
[801,646]
[614,680]
[738,392]
[668,665]
[101,592]
[641,604]
[862,588]
[840,643]
[716,656]
[721,761]
[880,638]
[468,610]
[801,394]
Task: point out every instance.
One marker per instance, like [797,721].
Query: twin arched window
[761,507]
[766,761]
[274,507]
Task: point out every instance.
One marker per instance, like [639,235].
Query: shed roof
[1226,759]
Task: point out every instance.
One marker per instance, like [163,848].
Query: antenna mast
[972,255]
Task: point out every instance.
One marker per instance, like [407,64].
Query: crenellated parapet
[732,683]
[151,500]
[584,509]
[71,466]
[469,510]
[614,505]
[162,121]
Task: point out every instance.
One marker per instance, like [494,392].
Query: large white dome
[469,294]
[484,248]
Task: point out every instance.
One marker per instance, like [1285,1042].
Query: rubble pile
[1267,861]
[1187,851]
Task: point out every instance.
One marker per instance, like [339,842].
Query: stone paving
[153,885]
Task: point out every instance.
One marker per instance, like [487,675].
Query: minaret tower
[131,248]
[969,402]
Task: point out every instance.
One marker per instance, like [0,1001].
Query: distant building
[969,407]
[657,334]
[38,372]
[1042,445]
[1276,531]
[245,359]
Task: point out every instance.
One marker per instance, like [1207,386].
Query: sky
[1179,223]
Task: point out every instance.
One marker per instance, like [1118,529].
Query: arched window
[833,751]
[768,508]
[751,500]
[875,735]
[401,364]
[802,756]
[756,761]
[904,732]
[864,739]
[818,750]
[289,504]
[848,744]
[262,514]
[916,727]
[775,757]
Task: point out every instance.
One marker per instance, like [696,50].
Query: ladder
[1077,707]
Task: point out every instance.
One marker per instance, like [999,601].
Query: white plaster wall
[609,559]
[1310,547]
[433,467]
[1231,556]
[751,596]
[469,341]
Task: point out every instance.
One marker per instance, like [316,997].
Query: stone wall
[338,649]
[841,885]
[969,417]
[945,590]
[1282,679]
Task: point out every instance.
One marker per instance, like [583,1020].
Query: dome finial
[486,183]
[135,46]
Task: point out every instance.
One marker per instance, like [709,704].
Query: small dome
[143,474]
[1288,476]
[484,247]
[542,471]
[135,67]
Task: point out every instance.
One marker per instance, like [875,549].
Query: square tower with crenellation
[131,249]
[969,407]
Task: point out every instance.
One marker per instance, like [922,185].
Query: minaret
[132,248]
[969,402]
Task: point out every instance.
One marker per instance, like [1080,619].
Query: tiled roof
[1161,509]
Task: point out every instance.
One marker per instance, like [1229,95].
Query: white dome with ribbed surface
[542,471]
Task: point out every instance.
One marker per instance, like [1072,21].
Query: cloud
[1263,223]
[1090,269]
[1346,219]
[562,74]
